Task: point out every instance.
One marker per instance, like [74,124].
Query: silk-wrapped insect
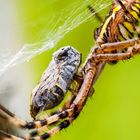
[55,80]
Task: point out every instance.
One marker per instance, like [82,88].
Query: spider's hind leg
[6,136]
[11,118]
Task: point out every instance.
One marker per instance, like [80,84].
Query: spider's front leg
[109,47]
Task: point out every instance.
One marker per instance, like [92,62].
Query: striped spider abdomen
[121,23]
[56,80]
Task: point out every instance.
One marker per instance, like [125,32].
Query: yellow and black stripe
[121,22]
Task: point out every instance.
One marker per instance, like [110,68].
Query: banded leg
[53,131]
[6,136]
[75,109]
[10,117]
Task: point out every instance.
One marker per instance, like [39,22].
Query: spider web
[76,14]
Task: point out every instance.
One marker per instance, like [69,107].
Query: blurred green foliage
[113,113]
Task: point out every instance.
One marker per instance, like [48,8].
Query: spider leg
[118,56]
[108,47]
[53,131]
[66,106]
[6,136]
[10,117]
[113,57]
[74,110]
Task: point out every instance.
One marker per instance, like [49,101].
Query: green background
[113,113]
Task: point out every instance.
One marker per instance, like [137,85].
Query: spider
[115,40]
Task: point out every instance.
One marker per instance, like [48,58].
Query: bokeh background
[113,113]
